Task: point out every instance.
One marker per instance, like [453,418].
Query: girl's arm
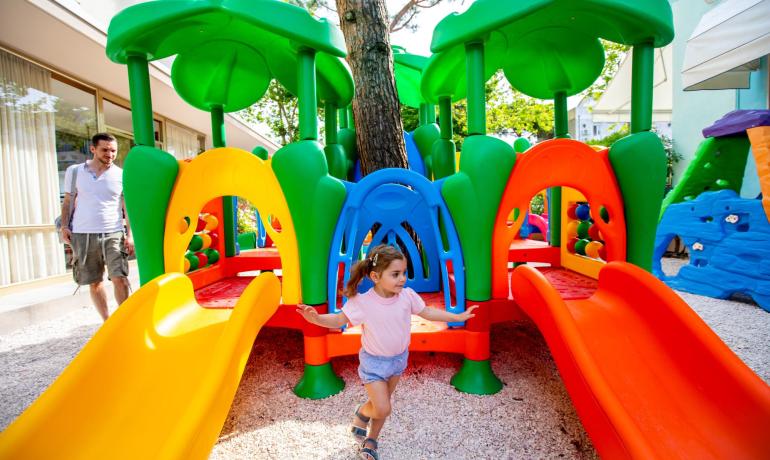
[329,320]
[435,314]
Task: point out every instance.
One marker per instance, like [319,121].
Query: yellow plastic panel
[575,262]
[231,172]
[156,381]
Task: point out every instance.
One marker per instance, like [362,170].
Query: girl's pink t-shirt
[386,320]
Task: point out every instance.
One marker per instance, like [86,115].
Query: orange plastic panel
[648,377]
[552,163]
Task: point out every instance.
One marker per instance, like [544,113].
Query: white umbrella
[615,103]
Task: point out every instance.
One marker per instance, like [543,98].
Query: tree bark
[379,132]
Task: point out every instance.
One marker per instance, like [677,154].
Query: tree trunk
[379,132]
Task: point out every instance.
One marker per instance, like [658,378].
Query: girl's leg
[379,398]
[367,408]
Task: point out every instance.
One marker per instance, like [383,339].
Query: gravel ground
[532,417]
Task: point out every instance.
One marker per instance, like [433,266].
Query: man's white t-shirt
[98,205]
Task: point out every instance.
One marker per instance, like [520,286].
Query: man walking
[94,206]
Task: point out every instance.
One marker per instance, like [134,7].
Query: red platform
[472,340]
[534,251]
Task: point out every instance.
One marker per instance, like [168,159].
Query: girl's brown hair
[379,259]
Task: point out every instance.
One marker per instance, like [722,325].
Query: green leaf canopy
[229,50]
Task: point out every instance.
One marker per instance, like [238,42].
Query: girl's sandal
[359,432]
[369,453]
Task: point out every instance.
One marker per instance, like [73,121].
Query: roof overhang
[53,35]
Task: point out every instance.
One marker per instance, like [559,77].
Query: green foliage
[537,204]
[672,157]
[511,111]
[278,110]
[613,56]
[610,138]
[459,123]
[247,219]
[410,117]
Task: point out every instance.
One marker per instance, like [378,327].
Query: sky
[417,42]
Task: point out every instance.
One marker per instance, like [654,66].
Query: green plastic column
[218,139]
[141,100]
[330,122]
[427,114]
[308,106]
[560,115]
[318,382]
[351,122]
[561,129]
[477,378]
[445,116]
[477,114]
[342,113]
[430,113]
[641,87]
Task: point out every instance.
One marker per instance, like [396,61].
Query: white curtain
[29,180]
[181,142]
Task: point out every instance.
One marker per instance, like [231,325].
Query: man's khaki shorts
[91,252]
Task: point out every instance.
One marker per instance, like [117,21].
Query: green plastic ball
[196,243]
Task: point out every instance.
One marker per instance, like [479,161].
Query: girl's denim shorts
[372,368]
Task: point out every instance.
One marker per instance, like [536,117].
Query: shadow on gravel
[26,371]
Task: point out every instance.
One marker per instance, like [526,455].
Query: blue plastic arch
[391,198]
[261,232]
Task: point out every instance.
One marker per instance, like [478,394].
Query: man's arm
[66,234]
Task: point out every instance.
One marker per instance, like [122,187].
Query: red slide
[648,377]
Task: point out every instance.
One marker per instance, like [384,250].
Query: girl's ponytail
[379,259]
[357,274]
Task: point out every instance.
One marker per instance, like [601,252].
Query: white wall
[692,110]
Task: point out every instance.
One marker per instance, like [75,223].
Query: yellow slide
[155,382]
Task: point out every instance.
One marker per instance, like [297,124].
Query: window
[30,123]
[75,121]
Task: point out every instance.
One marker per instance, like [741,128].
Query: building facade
[58,88]
[587,124]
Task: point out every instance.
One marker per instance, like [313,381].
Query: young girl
[385,312]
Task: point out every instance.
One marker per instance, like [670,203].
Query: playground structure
[631,353]
[728,237]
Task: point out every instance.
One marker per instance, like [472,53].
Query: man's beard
[104,162]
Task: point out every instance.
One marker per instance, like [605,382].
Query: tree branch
[411,8]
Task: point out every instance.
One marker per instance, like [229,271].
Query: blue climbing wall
[728,239]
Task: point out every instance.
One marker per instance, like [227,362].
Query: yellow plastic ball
[572,229]
[186,265]
[206,241]
[592,249]
[211,222]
